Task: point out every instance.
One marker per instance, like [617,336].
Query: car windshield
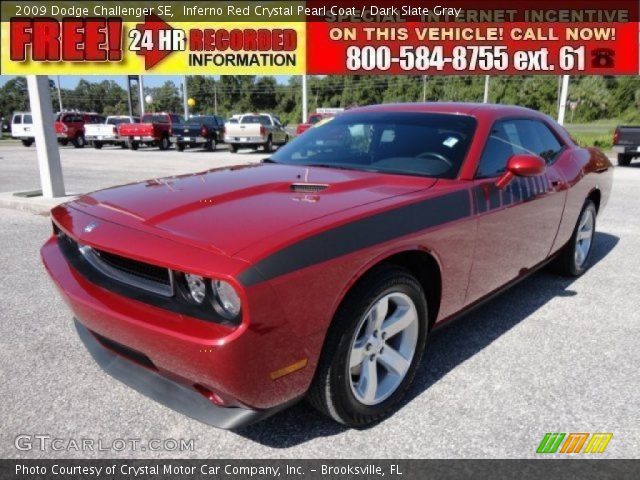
[261,119]
[409,143]
[199,120]
[118,121]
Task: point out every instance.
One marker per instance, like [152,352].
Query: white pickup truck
[255,130]
[22,128]
[106,133]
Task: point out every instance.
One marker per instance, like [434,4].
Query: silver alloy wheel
[584,237]
[383,347]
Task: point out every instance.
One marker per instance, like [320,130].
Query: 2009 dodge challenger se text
[232,293]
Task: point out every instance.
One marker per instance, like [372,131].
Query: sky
[70,81]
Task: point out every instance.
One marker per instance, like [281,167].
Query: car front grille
[141,275]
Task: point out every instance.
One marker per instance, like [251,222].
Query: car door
[517,225]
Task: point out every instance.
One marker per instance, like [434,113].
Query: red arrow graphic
[154,24]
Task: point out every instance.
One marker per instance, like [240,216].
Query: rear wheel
[97,145]
[180,146]
[64,142]
[624,159]
[575,256]
[164,143]
[234,148]
[372,349]
[79,141]
[268,147]
[134,145]
[210,145]
[27,143]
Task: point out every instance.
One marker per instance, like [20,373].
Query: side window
[503,142]
[17,119]
[27,119]
[550,147]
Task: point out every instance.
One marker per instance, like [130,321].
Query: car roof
[489,110]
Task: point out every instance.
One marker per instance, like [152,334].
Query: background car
[22,128]
[69,127]
[255,130]
[199,130]
[153,130]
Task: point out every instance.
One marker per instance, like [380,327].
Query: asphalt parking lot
[550,355]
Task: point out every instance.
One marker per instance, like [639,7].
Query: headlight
[197,287]
[226,298]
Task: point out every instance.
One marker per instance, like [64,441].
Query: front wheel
[373,348]
[165,143]
[97,145]
[624,160]
[27,143]
[79,141]
[575,256]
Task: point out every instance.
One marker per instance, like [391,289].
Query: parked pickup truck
[153,130]
[319,115]
[626,143]
[70,127]
[107,132]
[22,128]
[206,130]
[255,130]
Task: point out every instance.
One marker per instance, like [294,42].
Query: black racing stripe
[480,202]
[360,234]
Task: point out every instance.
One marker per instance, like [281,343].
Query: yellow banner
[238,48]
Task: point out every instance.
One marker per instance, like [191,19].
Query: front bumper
[627,149]
[167,392]
[102,138]
[235,363]
[244,140]
[143,138]
[189,140]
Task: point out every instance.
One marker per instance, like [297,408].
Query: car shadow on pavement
[448,347]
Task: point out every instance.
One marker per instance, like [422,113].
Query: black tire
[624,160]
[566,263]
[64,142]
[27,143]
[164,144]
[268,146]
[211,145]
[180,146]
[234,148]
[331,392]
[79,141]
[97,145]
[124,145]
[134,145]
[286,139]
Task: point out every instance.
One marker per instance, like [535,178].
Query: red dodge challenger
[229,294]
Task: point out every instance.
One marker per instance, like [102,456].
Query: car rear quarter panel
[587,170]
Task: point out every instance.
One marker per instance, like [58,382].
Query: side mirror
[522,165]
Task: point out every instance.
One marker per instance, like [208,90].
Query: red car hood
[230,209]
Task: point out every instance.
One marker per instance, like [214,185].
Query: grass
[593,134]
